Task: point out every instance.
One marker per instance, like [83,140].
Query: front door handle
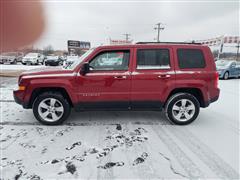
[164,76]
[120,77]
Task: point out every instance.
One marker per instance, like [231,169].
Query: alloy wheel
[183,110]
[50,109]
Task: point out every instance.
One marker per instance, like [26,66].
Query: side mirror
[85,69]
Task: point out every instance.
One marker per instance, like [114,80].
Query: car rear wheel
[226,75]
[51,108]
[182,108]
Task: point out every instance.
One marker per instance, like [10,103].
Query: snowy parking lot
[101,145]
[19,66]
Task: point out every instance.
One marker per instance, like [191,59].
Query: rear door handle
[120,77]
[164,76]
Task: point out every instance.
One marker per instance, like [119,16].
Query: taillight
[216,79]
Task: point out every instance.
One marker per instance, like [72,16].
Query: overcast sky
[98,21]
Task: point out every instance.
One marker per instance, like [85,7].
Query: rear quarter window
[153,59]
[190,58]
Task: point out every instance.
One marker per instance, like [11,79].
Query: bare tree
[48,50]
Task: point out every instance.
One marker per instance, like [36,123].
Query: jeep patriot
[176,77]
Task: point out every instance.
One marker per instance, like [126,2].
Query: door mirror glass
[84,69]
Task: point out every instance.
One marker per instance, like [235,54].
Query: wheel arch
[196,92]
[41,90]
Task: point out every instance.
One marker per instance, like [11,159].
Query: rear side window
[190,58]
[153,59]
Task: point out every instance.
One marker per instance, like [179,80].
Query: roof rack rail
[168,43]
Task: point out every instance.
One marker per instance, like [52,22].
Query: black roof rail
[169,43]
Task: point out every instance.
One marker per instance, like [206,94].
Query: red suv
[177,77]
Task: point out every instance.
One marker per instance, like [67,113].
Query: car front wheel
[51,108]
[226,76]
[182,108]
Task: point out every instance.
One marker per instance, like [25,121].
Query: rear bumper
[213,99]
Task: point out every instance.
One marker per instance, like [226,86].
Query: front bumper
[52,63]
[18,98]
[29,61]
[220,74]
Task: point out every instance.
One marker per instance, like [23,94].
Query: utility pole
[238,45]
[127,35]
[159,28]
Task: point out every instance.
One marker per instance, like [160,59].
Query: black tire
[57,96]
[14,62]
[23,63]
[174,99]
[226,75]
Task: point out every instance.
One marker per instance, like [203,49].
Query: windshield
[222,63]
[32,55]
[77,61]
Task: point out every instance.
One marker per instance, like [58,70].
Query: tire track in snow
[171,166]
[188,165]
[205,154]
[7,101]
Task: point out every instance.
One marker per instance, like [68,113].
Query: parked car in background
[227,69]
[53,61]
[70,60]
[20,56]
[63,58]
[10,57]
[33,58]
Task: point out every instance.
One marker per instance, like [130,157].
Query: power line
[159,28]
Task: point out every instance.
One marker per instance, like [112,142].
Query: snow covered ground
[141,145]
[18,66]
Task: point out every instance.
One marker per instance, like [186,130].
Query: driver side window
[111,60]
